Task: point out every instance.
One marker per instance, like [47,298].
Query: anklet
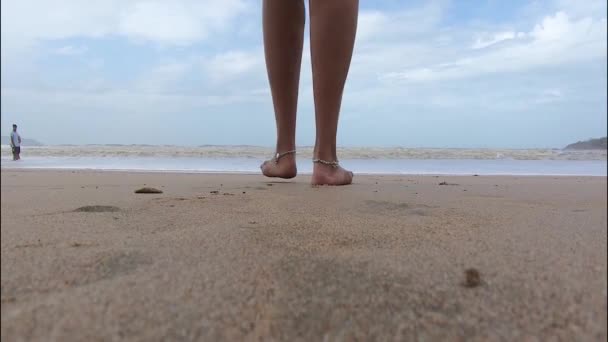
[278,155]
[325,162]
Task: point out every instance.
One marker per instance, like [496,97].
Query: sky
[461,73]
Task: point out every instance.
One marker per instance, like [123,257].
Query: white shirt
[15,138]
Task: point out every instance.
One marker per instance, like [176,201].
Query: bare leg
[283,40]
[333,25]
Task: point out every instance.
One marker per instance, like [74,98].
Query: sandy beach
[240,257]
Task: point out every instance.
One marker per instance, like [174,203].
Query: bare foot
[329,175]
[285,168]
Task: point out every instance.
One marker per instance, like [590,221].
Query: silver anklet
[325,162]
[278,155]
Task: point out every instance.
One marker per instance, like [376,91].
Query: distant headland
[591,144]
[25,142]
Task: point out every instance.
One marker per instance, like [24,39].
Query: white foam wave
[255,152]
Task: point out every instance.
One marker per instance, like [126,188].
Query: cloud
[481,42]
[556,40]
[163,78]
[227,66]
[587,8]
[167,22]
[549,96]
[172,22]
[379,25]
[70,50]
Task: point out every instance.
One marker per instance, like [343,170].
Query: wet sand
[236,257]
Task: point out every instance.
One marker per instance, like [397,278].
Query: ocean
[246,159]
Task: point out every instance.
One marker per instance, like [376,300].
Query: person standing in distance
[15,143]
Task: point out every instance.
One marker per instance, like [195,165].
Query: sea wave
[256,152]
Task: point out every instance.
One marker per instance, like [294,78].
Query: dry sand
[384,259]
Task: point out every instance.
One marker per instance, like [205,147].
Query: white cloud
[376,25]
[163,77]
[167,22]
[370,24]
[583,8]
[556,40]
[550,95]
[483,42]
[228,65]
[173,22]
[70,50]
[553,93]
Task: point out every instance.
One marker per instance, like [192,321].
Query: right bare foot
[284,167]
[330,175]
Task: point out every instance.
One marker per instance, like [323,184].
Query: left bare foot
[330,175]
[281,166]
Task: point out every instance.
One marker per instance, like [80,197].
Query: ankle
[325,150]
[329,156]
[282,147]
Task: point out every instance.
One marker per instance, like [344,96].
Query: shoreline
[503,167]
[251,173]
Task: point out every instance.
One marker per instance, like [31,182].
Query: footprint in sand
[386,205]
[416,209]
[97,209]
[148,190]
[446,183]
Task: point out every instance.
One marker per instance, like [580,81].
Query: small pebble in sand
[148,190]
[215,192]
[472,278]
[244,192]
